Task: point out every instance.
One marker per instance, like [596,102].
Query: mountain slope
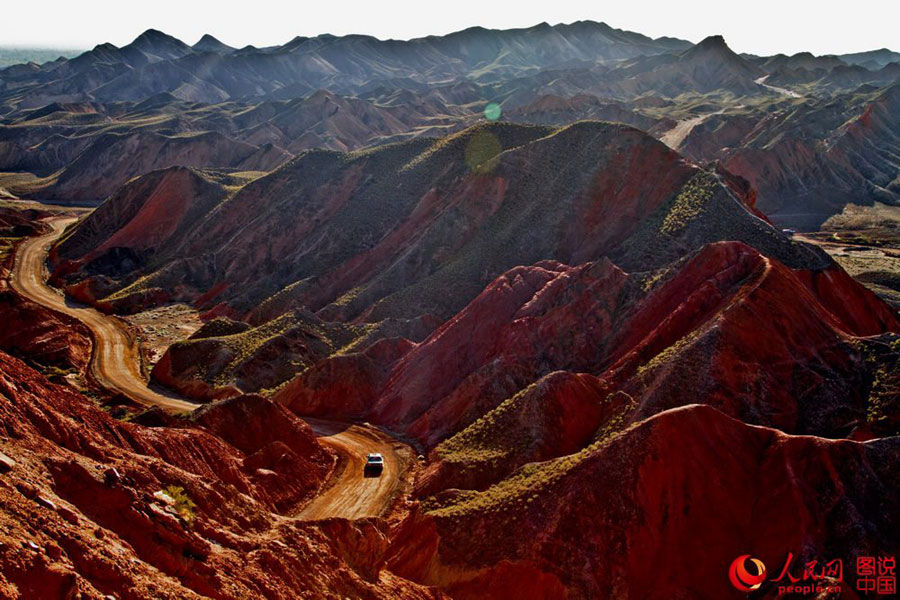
[659,498]
[717,326]
[811,158]
[421,227]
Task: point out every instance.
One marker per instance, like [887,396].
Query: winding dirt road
[674,137]
[784,92]
[115,365]
[352,494]
[115,358]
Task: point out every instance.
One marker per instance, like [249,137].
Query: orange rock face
[33,332]
[86,504]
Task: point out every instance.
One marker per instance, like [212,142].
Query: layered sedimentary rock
[95,506]
[760,341]
[420,228]
[660,511]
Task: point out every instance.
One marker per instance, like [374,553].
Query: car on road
[374,464]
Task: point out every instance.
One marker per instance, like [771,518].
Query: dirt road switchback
[115,365]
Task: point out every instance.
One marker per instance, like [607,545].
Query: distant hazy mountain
[872,59]
[210,71]
[15,56]
[210,44]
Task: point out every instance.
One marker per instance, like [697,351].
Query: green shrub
[184,506]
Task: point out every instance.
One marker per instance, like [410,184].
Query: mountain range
[549,275]
[67,126]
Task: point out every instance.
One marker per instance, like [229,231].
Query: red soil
[79,515]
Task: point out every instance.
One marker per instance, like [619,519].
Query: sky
[757,26]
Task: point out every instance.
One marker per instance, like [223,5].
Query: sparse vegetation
[182,504]
[485,441]
[653,278]
[263,357]
[57,374]
[492,437]
[527,484]
[7,246]
[666,356]
[882,357]
[689,204]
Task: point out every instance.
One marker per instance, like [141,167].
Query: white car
[374,463]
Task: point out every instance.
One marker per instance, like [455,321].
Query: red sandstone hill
[34,333]
[406,233]
[726,326]
[420,227]
[583,483]
[610,486]
[225,357]
[30,331]
[810,159]
[623,375]
[660,511]
[82,514]
[113,159]
[152,210]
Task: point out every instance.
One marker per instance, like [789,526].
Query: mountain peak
[156,39]
[712,47]
[209,43]
[713,65]
[153,34]
[713,41]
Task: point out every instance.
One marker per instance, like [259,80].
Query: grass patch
[263,357]
[689,203]
[183,504]
[528,483]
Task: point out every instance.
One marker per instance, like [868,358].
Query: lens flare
[492,111]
